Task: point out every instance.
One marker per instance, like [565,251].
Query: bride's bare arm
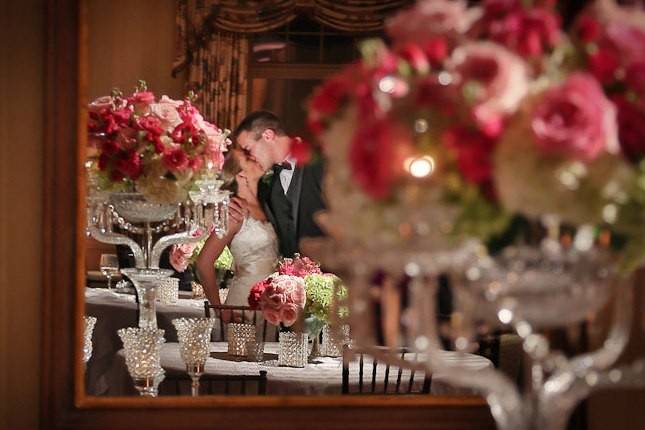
[211,251]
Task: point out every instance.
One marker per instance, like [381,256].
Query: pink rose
[289,314]
[298,297]
[271,315]
[167,114]
[180,256]
[428,19]
[494,79]
[575,119]
[627,40]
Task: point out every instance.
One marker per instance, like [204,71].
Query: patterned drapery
[213,44]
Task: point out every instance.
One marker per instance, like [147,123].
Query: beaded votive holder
[238,336]
[168,291]
[333,341]
[198,290]
[254,350]
[293,349]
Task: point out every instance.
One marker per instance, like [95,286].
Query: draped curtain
[213,42]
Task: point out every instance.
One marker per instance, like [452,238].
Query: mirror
[246,355]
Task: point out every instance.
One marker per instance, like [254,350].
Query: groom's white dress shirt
[287,175]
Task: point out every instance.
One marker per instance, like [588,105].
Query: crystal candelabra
[142,348]
[89,323]
[147,228]
[194,336]
[393,302]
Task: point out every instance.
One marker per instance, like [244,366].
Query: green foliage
[320,294]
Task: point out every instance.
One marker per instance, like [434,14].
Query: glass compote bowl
[142,348]
[194,345]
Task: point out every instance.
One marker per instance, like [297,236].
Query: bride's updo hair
[230,169]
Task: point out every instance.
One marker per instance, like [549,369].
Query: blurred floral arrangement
[476,114]
[184,255]
[156,147]
[298,288]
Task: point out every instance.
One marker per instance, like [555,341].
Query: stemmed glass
[194,336]
[109,267]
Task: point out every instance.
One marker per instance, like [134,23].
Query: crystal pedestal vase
[146,282]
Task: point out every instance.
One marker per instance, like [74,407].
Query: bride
[250,236]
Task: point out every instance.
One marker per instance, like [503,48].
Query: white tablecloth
[322,376]
[117,310]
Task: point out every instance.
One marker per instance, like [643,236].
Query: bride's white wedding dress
[255,254]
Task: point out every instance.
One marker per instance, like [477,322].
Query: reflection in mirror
[213,294]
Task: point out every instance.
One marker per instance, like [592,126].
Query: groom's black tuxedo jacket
[292,214]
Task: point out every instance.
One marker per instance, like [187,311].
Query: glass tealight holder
[238,336]
[168,291]
[333,340]
[90,322]
[194,336]
[255,351]
[142,348]
[293,349]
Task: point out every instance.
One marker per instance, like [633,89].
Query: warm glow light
[420,167]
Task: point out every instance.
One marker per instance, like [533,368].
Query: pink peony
[493,80]
[289,314]
[428,19]
[575,119]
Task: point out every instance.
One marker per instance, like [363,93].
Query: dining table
[116,309]
[320,376]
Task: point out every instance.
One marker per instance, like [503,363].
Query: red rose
[175,160]
[631,128]
[473,152]
[635,78]
[376,155]
[436,49]
[195,163]
[150,124]
[300,150]
[328,97]
[588,29]
[109,147]
[142,97]
[603,65]
[129,164]
[415,56]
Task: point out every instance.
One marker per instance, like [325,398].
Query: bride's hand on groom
[237,211]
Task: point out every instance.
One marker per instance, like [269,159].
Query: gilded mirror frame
[64,404]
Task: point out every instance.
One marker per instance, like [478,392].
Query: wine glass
[109,267]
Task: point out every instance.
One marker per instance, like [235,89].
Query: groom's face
[257,147]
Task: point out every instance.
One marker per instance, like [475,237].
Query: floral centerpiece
[298,290]
[154,146]
[475,114]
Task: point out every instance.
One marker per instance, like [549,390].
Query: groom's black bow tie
[285,165]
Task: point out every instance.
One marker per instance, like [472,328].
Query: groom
[290,194]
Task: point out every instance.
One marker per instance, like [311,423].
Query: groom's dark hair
[259,121]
